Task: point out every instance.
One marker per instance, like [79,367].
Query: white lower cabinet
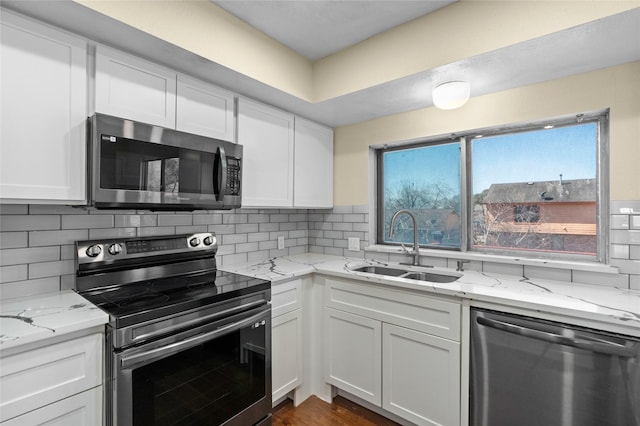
[353,352]
[420,376]
[59,383]
[84,408]
[399,350]
[286,338]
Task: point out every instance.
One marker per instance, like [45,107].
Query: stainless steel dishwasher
[527,371]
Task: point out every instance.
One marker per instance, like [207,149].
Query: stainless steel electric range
[186,344]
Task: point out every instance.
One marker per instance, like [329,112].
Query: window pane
[536,190]
[426,181]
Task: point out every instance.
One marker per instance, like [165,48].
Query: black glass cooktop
[142,301]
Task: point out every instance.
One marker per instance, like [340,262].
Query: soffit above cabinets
[609,41]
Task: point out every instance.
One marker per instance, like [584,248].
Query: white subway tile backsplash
[13,209]
[207,219]
[29,223]
[625,237]
[56,238]
[634,282]
[38,241]
[13,273]
[546,273]
[22,256]
[29,287]
[246,228]
[594,278]
[269,227]
[627,266]
[86,221]
[247,247]
[191,229]
[175,220]
[51,269]
[619,251]
[135,220]
[503,268]
[619,221]
[153,231]
[14,239]
[99,233]
[234,239]
[56,209]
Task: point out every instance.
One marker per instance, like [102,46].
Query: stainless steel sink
[381,270]
[430,277]
[434,277]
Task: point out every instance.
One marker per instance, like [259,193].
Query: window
[530,189]
[426,181]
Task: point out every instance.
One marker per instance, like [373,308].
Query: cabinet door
[39,377]
[421,376]
[43,113]
[204,109]
[267,137]
[353,349]
[81,409]
[135,89]
[286,353]
[313,174]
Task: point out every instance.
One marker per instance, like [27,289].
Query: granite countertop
[31,319]
[618,307]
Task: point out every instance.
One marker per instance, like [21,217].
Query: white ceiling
[316,29]
[599,44]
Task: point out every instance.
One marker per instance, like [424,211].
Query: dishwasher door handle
[606,348]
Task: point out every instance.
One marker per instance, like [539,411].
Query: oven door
[214,374]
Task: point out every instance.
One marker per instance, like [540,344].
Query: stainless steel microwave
[140,166]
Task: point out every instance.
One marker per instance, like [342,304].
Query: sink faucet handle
[405,249]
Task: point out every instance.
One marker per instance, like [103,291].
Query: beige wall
[211,32]
[470,27]
[617,88]
[461,30]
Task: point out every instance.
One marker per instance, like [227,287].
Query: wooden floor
[316,412]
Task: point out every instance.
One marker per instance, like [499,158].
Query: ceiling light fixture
[451,95]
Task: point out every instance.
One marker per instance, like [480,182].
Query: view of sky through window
[530,190]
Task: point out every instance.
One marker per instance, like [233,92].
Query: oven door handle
[608,348]
[176,347]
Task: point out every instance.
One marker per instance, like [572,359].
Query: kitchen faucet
[415,253]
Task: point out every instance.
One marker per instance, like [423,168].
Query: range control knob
[115,249]
[194,242]
[94,250]
[208,240]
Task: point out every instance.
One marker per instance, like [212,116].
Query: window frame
[465,138]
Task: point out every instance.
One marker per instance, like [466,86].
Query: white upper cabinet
[132,88]
[43,113]
[288,162]
[135,89]
[313,165]
[204,109]
[266,134]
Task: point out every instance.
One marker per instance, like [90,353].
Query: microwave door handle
[605,348]
[192,341]
[223,171]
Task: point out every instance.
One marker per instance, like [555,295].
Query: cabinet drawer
[411,310]
[32,379]
[82,409]
[286,297]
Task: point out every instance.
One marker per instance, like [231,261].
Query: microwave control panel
[233,176]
